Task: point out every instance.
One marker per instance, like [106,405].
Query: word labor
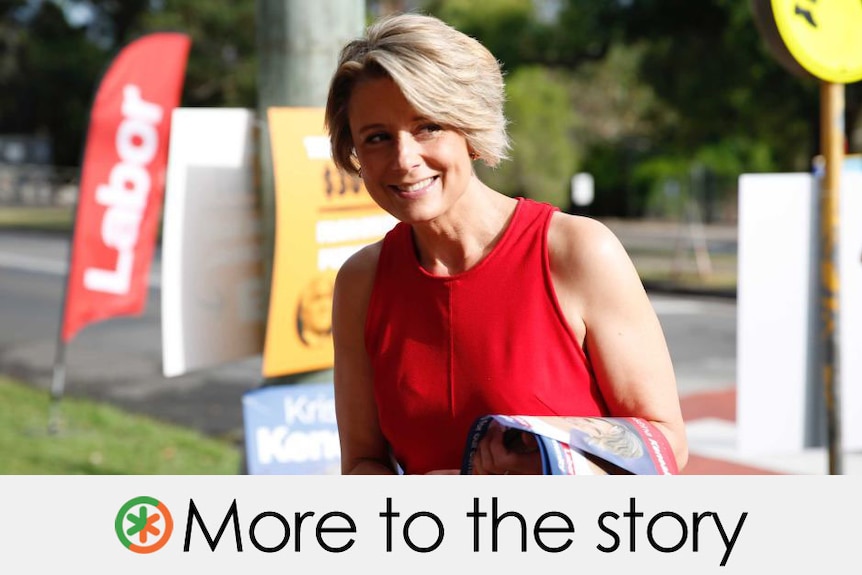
[127,191]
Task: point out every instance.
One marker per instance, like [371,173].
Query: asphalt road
[119,360]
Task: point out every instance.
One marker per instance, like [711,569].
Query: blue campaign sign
[290,430]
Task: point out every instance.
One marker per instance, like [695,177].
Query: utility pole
[298,42]
[821,41]
[832,145]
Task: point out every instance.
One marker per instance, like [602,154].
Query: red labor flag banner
[122,181]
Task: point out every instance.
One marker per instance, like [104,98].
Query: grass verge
[98,439]
[41,218]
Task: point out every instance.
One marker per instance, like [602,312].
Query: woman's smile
[415,189]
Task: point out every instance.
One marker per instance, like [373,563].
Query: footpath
[711,426]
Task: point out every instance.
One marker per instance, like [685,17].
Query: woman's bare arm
[605,302]
[363,447]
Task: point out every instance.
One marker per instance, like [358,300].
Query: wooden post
[832,145]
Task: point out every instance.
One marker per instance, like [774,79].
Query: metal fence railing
[34,185]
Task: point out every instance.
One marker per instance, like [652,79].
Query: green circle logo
[144,525]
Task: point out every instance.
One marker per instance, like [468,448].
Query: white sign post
[779,404]
[583,189]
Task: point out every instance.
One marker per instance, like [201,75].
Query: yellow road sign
[825,38]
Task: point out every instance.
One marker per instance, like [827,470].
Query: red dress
[490,340]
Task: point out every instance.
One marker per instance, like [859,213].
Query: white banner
[430,524]
[212,263]
[780,405]
[775,302]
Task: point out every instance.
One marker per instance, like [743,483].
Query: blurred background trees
[660,100]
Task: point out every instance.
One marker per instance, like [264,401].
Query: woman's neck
[456,242]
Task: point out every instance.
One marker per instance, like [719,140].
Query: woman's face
[414,168]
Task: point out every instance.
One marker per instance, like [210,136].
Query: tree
[621,116]
[708,61]
[654,86]
[544,153]
[738,109]
[222,68]
[117,19]
[562,34]
[537,54]
[50,68]
[48,77]
[11,67]
[701,88]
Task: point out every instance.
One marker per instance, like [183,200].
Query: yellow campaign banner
[322,216]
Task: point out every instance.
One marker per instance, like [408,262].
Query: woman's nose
[407,152]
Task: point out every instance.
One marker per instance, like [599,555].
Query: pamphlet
[617,445]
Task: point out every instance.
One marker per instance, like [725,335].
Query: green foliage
[707,176]
[222,68]
[519,34]
[620,118]
[504,26]
[47,83]
[664,83]
[707,61]
[612,165]
[120,15]
[654,82]
[544,154]
[97,439]
[665,184]
[50,70]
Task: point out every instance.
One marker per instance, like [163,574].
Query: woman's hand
[508,452]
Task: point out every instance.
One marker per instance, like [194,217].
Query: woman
[475,303]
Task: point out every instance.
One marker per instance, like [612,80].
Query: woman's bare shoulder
[580,243]
[356,275]
[362,262]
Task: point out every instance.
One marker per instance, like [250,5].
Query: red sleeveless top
[490,340]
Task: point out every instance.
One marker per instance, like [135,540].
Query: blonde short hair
[447,76]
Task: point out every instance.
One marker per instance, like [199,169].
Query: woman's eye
[429,131]
[375,138]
